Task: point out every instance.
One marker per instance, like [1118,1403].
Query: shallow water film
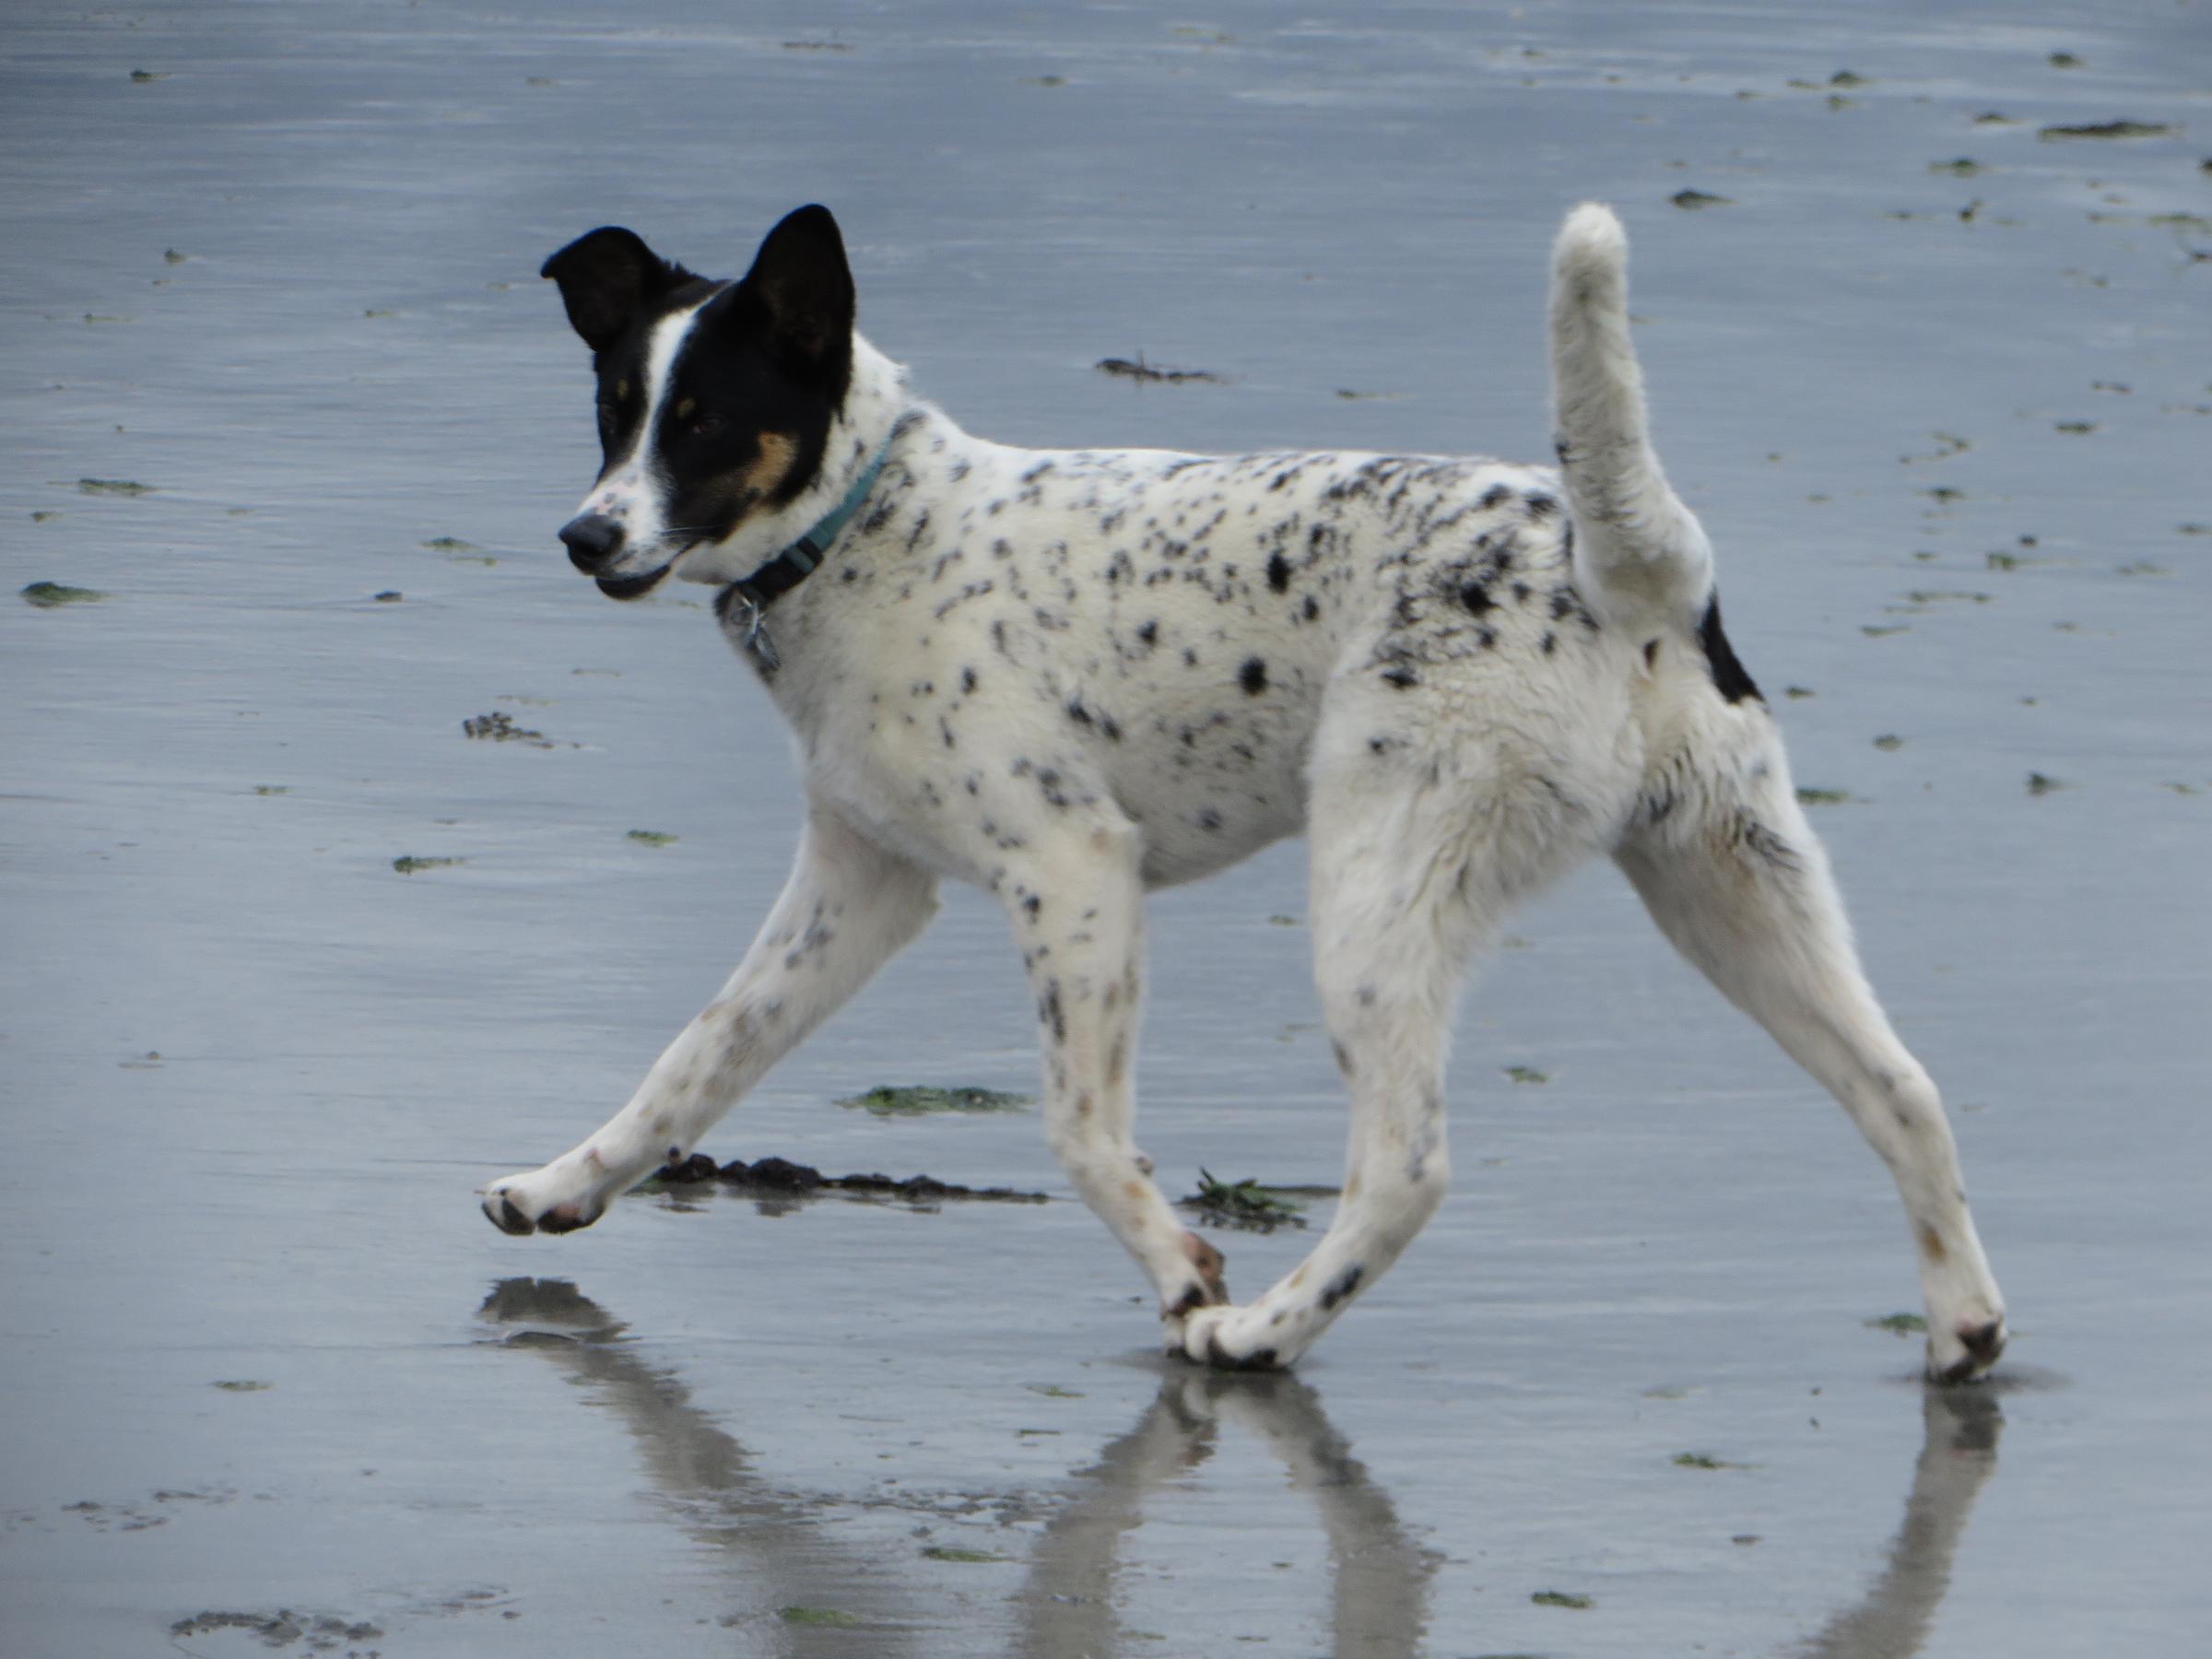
[354,850]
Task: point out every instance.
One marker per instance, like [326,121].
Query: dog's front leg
[1077,899]
[846,908]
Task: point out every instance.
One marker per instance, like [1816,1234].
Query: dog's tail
[1639,551]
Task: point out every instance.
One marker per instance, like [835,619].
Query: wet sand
[270,1384]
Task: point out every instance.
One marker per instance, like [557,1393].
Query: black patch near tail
[1728,676]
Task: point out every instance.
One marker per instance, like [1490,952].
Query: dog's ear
[801,277]
[605,275]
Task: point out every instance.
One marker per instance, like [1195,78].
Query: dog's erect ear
[801,277]
[605,276]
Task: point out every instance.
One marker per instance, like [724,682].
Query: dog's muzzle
[592,539]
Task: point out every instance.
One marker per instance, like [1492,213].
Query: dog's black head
[715,398]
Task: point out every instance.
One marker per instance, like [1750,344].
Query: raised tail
[1640,553]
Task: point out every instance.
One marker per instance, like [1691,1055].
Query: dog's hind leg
[1076,895]
[1740,884]
[1411,868]
[845,909]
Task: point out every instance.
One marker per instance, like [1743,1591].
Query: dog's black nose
[591,540]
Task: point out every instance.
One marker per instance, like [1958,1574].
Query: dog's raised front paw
[1962,1349]
[539,1202]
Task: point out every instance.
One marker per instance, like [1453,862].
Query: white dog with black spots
[1071,676]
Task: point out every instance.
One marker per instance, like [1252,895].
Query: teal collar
[799,561]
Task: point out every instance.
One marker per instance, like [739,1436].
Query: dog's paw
[1962,1349]
[541,1201]
[1212,1268]
[1231,1338]
[1208,1289]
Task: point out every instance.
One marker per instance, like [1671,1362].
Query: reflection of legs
[776,1542]
[1077,905]
[1378,1577]
[1067,1604]
[689,1458]
[1960,1455]
[1749,899]
[845,909]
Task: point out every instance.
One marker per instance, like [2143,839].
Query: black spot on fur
[1313,608]
[1477,598]
[1221,1358]
[1541,505]
[1077,712]
[1346,1282]
[1252,676]
[1403,677]
[1754,838]
[1728,674]
[1148,634]
[1278,573]
[967,680]
[1496,496]
[1655,803]
[1551,643]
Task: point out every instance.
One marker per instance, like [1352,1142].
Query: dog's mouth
[636,586]
[633,587]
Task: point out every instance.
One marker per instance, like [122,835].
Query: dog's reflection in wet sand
[1959,1454]
[1379,1578]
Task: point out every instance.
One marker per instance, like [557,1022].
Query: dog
[1071,676]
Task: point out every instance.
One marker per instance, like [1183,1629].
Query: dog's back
[1164,631]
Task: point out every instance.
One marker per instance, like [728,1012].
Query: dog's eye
[707,425]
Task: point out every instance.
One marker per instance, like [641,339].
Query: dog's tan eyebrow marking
[622,388]
[684,408]
[777,451]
